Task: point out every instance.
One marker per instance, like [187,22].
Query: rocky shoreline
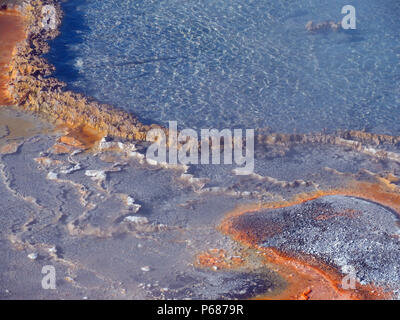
[33,89]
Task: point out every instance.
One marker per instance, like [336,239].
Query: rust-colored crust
[11,32]
[30,87]
[307,276]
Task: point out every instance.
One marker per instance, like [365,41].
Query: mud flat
[17,125]
[115,226]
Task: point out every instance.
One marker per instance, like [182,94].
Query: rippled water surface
[236,63]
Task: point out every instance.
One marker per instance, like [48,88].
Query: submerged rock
[323,26]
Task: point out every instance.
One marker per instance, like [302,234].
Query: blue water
[236,63]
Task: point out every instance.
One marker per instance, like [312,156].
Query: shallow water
[236,64]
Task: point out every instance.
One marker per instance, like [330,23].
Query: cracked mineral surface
[79,194]
[115,226]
